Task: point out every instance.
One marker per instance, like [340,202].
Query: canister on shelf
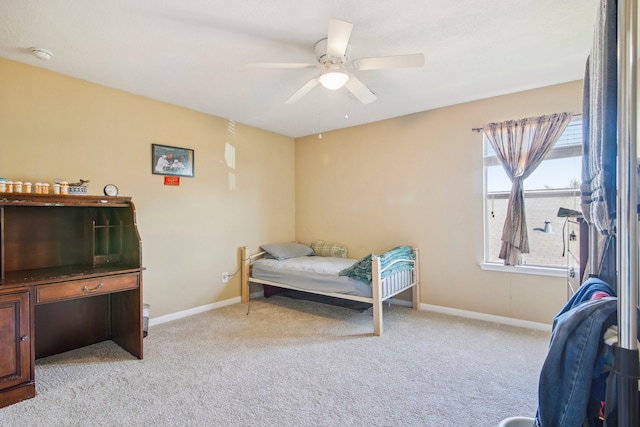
[27,187]
[9,186]
[56,188]
[3,185]
[64,187]
[45,188]
[37,188]
[17,186]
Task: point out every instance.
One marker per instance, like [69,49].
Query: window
[554,184]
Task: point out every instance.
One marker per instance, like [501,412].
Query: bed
[372,279]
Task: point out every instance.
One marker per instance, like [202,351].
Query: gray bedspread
[311,273]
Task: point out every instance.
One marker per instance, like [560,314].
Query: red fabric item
[599,294]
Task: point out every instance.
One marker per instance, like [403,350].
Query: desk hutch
[70,276]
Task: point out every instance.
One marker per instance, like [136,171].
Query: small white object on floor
[517,422]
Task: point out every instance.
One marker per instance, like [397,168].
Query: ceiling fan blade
[360,91]
[279,65]
[302,91]
[338,37]
[384,62]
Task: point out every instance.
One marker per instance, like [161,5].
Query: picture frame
[168,160]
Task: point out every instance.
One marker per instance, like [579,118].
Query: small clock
[110,190]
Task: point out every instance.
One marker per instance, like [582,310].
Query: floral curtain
[521,145]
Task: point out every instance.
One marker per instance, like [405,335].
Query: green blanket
[361,270]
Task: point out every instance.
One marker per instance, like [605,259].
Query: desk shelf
[107,230]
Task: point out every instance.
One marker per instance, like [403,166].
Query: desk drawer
[84,288]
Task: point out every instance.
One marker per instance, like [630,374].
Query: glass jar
[17,186]
[3,185]
[45,188]
[64,187]
[27,187]
[56,188]
[37,188]
[9,186]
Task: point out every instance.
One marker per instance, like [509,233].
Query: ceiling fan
[333,58]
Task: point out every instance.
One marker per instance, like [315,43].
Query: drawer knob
[85,289]
[24,338]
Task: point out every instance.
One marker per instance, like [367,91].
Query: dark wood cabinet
[16,361]
[70,276]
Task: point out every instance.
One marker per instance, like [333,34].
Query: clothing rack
[627,365]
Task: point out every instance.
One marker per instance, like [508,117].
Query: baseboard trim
[428,307]
[401,302]
[190,312]
[487,317]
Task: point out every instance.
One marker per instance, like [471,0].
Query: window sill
[524,269]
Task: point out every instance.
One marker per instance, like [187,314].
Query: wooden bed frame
[382,288]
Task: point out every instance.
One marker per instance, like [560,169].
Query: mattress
[311,273]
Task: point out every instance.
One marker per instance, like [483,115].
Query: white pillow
[282,251]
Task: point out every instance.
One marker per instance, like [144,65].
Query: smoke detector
[41,54]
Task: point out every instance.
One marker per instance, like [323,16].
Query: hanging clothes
[585,292]
[567,373]
[599,121]
[575,354]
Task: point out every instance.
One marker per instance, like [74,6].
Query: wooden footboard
[382,288]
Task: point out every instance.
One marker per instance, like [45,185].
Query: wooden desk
[70,276]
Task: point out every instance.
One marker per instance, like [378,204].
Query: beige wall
[52,126]
[417,180]
[412,180]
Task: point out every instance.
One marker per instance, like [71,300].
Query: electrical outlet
[225,277]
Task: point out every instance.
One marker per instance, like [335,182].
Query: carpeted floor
[295,363]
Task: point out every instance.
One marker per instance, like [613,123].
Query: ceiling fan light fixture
[334,79]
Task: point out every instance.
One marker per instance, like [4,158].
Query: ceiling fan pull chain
[346,103]
[319,118]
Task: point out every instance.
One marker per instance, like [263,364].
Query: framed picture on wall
[166,160]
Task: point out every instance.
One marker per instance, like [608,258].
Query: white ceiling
[193,53]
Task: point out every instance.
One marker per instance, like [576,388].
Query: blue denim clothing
[575,346]
[565,379]
[585,292]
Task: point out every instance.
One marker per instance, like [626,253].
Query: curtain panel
[521,145]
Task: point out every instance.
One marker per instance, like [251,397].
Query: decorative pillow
[361,270]
[322,248]
[282,251]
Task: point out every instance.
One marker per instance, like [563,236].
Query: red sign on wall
[171,180]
